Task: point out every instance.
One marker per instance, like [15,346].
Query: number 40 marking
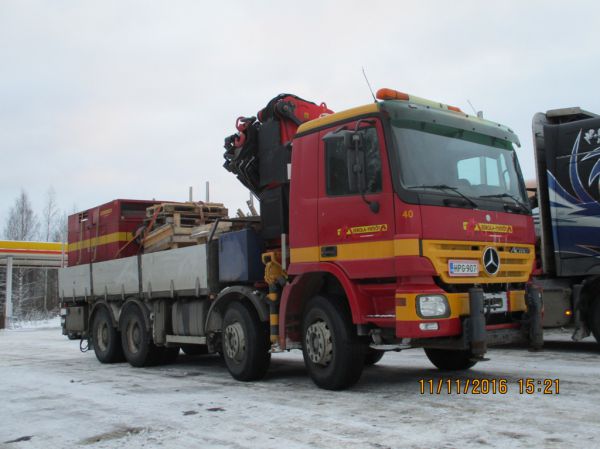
[408,213]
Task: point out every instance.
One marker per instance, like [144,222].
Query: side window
[337,163]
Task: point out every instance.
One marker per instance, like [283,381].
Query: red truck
[398,224]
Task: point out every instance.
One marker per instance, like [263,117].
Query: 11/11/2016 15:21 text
[527,386]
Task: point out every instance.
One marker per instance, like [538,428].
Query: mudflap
[533,320]
[581,328]
[476,329]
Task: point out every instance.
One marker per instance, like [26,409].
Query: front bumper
[469,324]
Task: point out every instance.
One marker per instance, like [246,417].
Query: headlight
[433,306]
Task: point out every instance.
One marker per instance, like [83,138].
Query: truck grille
[514,266]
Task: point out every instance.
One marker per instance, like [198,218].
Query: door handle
[329,251]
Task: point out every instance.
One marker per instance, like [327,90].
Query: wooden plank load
[170,225]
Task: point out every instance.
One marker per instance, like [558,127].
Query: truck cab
[416,214]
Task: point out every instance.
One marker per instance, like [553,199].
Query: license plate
[495,302]
[463,268]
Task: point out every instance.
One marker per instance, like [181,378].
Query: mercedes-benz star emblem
[491,261]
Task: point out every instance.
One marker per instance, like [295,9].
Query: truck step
[186,340]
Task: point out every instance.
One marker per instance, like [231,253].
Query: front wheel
[449,359]
[245,343]
[333,354]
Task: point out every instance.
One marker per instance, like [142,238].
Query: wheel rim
[318,342]
[102,336]
[235,342]
[134,336]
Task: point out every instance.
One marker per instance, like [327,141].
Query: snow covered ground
[53,396]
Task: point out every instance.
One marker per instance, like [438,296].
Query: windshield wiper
[447,187]
[521,205]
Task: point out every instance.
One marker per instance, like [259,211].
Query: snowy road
[53,396]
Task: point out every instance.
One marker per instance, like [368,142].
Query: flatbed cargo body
[175,273]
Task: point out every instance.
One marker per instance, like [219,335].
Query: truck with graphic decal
[567,150]
[398,224]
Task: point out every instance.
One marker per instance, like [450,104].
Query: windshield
[477,166]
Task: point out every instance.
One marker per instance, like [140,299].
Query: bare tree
[22,223]
[50,215]
[54,229]
[2,296]
[59,231]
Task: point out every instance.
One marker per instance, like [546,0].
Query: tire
[333,354]
[450,360]
[138,347]
[106,338]
[372,356]
[595,320]
[195,349]
[245,343]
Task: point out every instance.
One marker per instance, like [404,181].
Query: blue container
[240,257]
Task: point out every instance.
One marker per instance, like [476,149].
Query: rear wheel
[138,347]
[106,339]
[333,354]
[245,343]
[449,359]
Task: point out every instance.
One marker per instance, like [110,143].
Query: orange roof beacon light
[391,94]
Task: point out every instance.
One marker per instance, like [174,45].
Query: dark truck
[567,153]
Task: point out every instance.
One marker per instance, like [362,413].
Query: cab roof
[416,108]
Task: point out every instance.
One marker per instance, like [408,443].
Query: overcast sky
[132,99]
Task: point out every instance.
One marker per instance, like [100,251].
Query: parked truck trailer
[567,147]
[394,225]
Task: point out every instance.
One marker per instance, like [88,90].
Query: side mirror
[356,161]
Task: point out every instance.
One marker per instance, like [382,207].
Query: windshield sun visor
[408,111]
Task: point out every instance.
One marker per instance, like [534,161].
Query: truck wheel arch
[309,284]
[216,312]
[134,302]
[103,305]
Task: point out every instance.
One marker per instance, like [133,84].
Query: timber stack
[172,225]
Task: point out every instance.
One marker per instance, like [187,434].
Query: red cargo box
[105,232]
